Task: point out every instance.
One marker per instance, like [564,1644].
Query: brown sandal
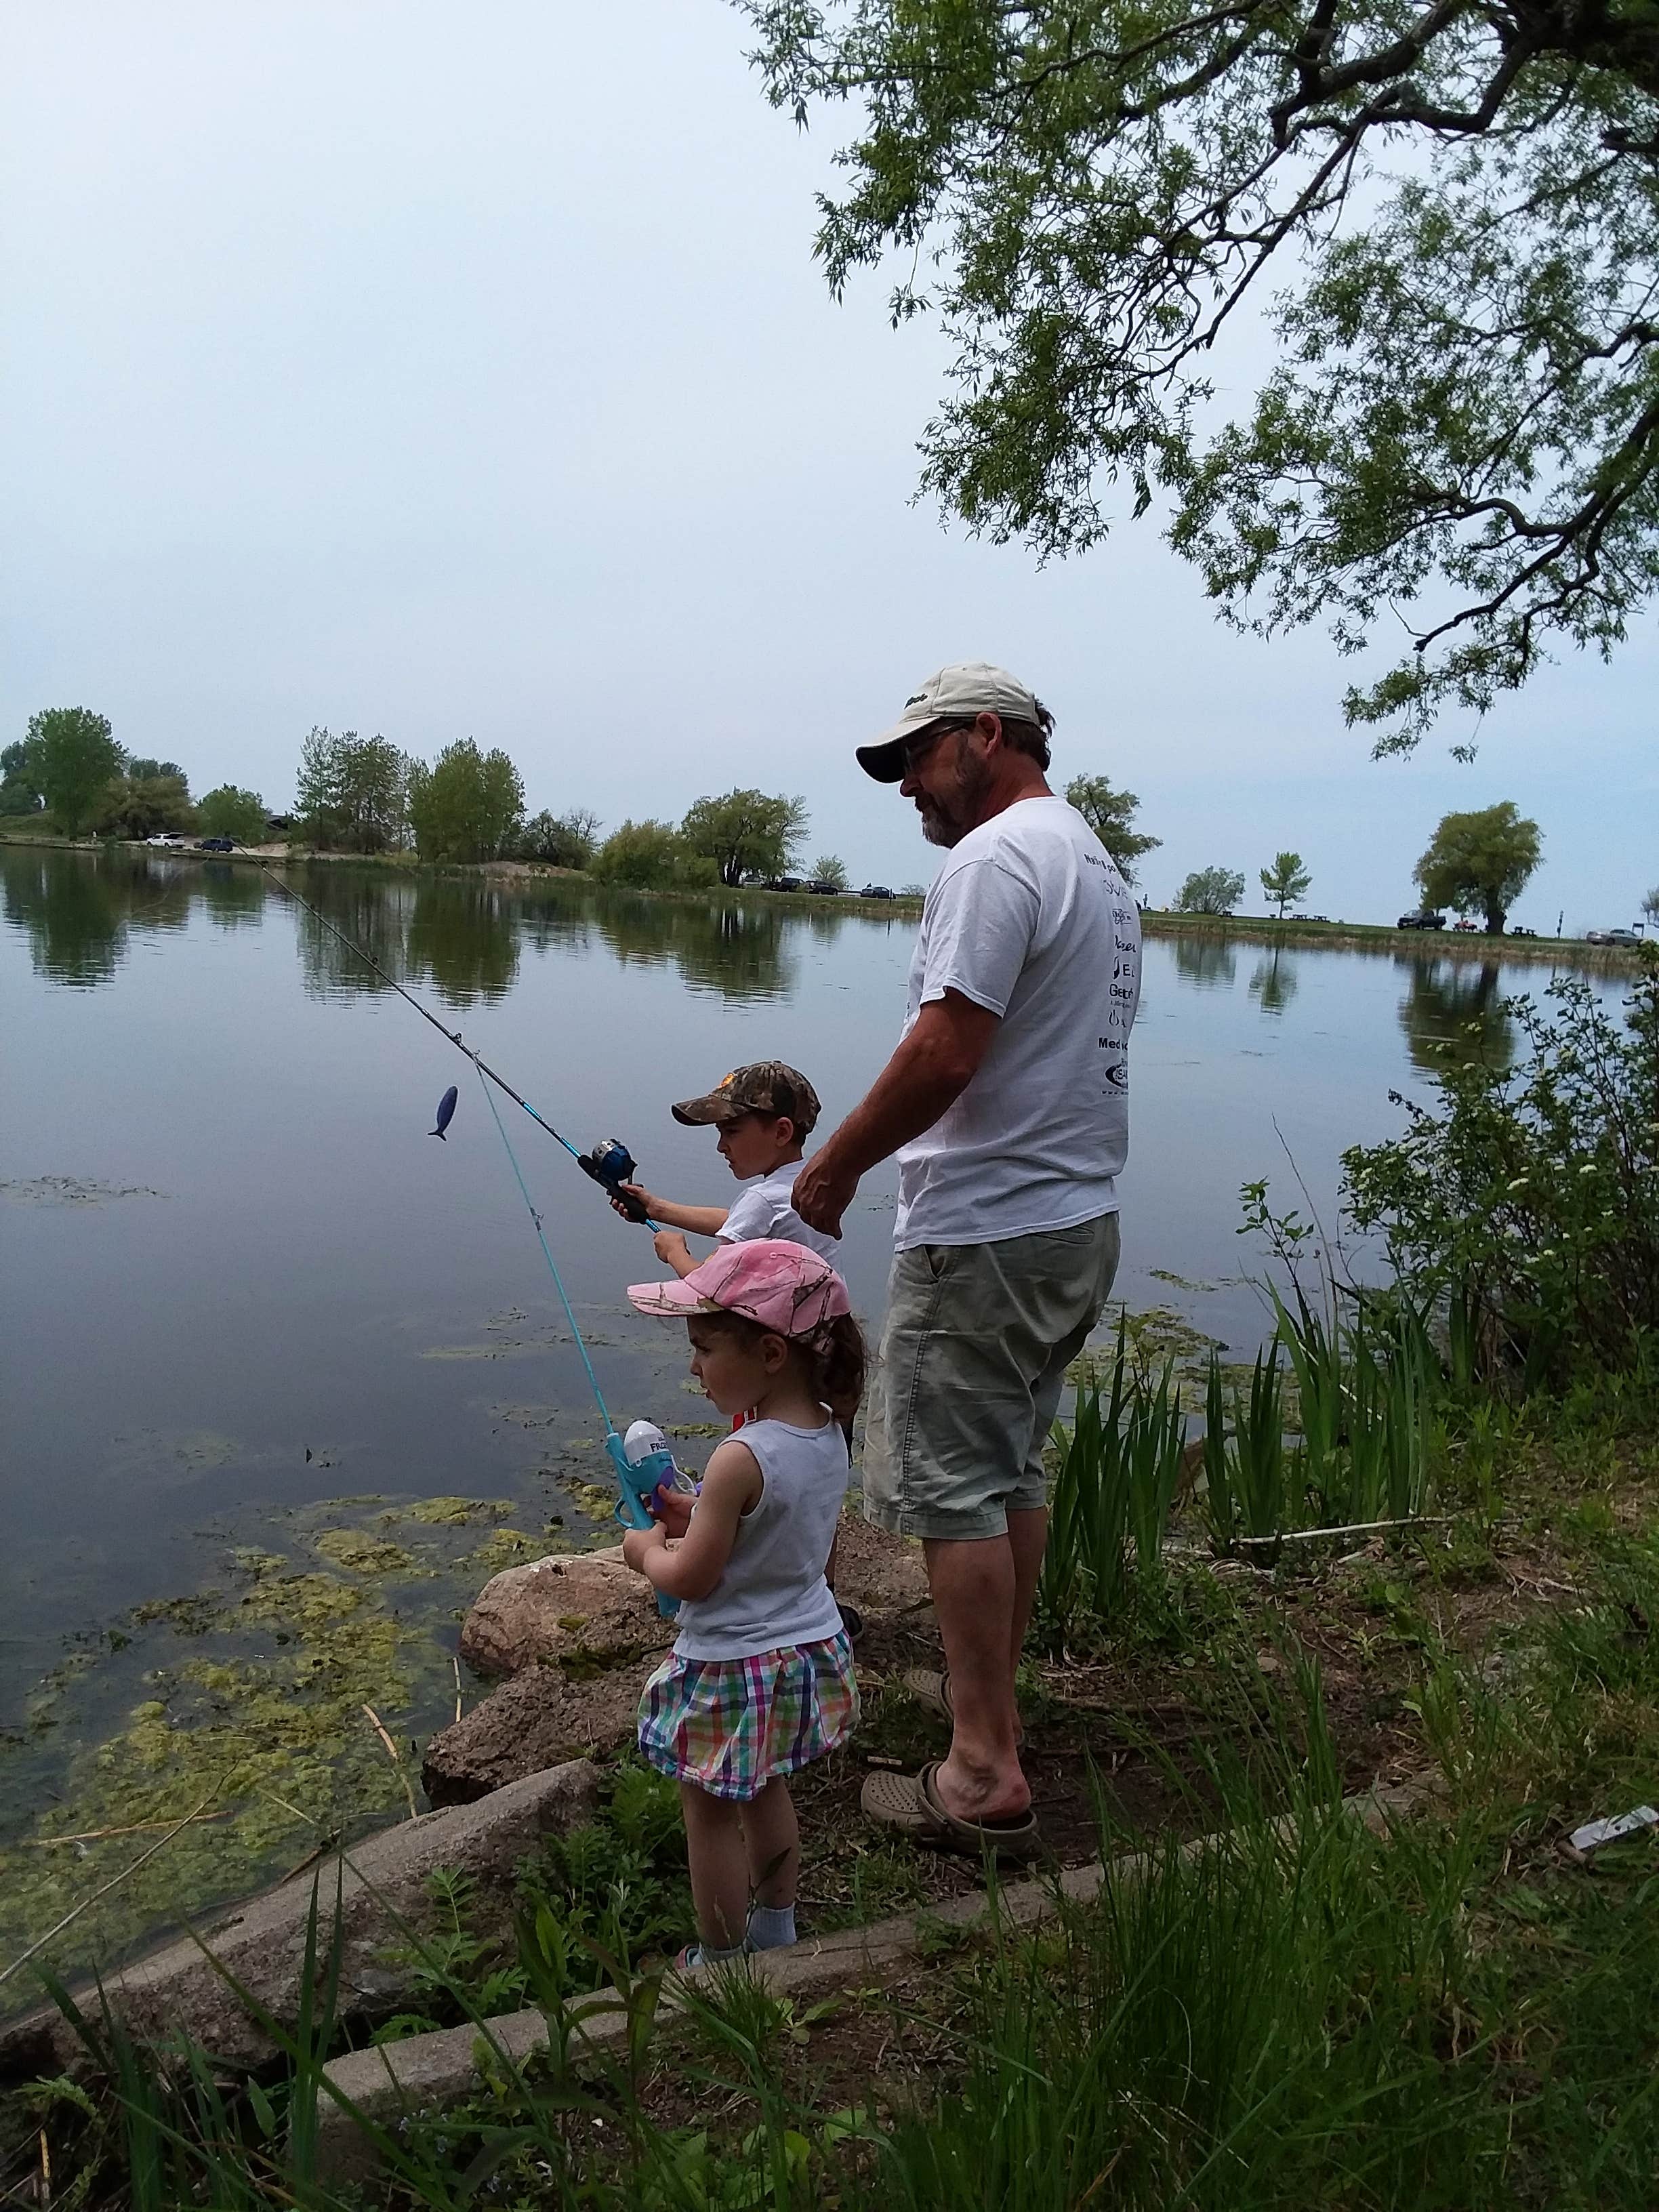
[910,1804]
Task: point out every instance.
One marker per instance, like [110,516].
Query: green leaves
[1445,217]
[1481,861]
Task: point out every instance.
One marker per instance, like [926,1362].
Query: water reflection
[1273,984]
[461,941]
[373,913]
[1208,961]
[1448,1004]
[234,896]
[737,950]
[77,918]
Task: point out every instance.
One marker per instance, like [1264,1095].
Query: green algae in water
[248,1694]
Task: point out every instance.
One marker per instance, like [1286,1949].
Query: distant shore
[1243,929]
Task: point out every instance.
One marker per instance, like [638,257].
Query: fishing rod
[609,1163]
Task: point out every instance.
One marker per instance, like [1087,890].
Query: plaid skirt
[733,1725]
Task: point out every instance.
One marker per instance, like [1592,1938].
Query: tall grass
[1117,1471]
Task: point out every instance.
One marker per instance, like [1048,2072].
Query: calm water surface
[241,1278]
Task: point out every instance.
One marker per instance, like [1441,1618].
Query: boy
[764,1114]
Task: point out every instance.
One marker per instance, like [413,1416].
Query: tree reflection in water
[461,941]
[78,909]
[1449,1004]
[1273,984]
[1210,960]
[717,944]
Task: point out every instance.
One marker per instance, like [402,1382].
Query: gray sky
[456,372]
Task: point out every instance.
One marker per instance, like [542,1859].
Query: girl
[760,1681]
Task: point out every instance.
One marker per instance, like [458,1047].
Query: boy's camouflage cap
[765,1086]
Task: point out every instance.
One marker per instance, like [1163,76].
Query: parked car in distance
[1619,937]
[825,890]
[875,890]
[1425,919]
[785,883]
[174,838]
[215,844]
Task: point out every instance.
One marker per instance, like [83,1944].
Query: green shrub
[1528,1200]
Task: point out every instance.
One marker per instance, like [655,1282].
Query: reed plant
[1116,1474]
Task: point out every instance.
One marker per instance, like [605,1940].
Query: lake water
[241,1283]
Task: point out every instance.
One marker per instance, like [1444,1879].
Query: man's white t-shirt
[1029,918]
[766,1209]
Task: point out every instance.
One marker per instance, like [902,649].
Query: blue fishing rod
[610,1164]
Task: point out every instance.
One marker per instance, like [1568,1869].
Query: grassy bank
[1379,937]
[1455,2015]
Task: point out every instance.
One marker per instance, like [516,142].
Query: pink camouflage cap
[781,1285]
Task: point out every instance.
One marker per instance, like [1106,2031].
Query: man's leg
[974,1586]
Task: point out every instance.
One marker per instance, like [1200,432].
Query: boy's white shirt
[765,1210]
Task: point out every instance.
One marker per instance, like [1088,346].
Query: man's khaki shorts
[974,1351]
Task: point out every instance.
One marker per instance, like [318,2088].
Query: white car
[173,838]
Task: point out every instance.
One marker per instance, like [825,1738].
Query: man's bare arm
[931,1067]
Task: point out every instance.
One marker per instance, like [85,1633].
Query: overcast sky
[466,372]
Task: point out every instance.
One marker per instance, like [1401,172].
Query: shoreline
[1464,946]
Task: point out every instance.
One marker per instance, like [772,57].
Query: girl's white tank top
[772,1591]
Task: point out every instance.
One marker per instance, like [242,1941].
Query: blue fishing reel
[611,1164]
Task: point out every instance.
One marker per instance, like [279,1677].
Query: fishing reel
[611,1164]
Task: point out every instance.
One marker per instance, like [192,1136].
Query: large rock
[539,1718]
[380,1883]
[583,1609]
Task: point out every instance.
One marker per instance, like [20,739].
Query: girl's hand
[638,1542]
[674,1251]
[673,1508]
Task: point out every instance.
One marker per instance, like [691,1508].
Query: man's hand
[824,1191]
[936,1060]
[673,1508]
[638,1542]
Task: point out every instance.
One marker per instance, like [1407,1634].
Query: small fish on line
[446,1112]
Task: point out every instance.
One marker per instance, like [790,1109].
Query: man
[1006,1103]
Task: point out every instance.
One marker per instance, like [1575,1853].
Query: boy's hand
[637,1542]
[640,1196]
[674,1251]
[672,1509]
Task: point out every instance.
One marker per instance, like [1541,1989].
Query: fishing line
[636,1479]
[552,1265]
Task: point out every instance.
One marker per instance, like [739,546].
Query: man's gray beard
[970,783]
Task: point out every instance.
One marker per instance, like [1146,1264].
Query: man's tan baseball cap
[956,694]
[765,1086]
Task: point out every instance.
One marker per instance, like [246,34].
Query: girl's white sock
[771,1927]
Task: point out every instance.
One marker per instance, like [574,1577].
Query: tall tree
[1444,212]
[650,856]
[829,868]
[20,779]
[352,792]
[1481,862]
[746,833]
[76,759]
[1650,904]
[152,797]
[230,811]
[1110,815]
[1287,882]
[1210,890]
[562,841]
[468,805]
